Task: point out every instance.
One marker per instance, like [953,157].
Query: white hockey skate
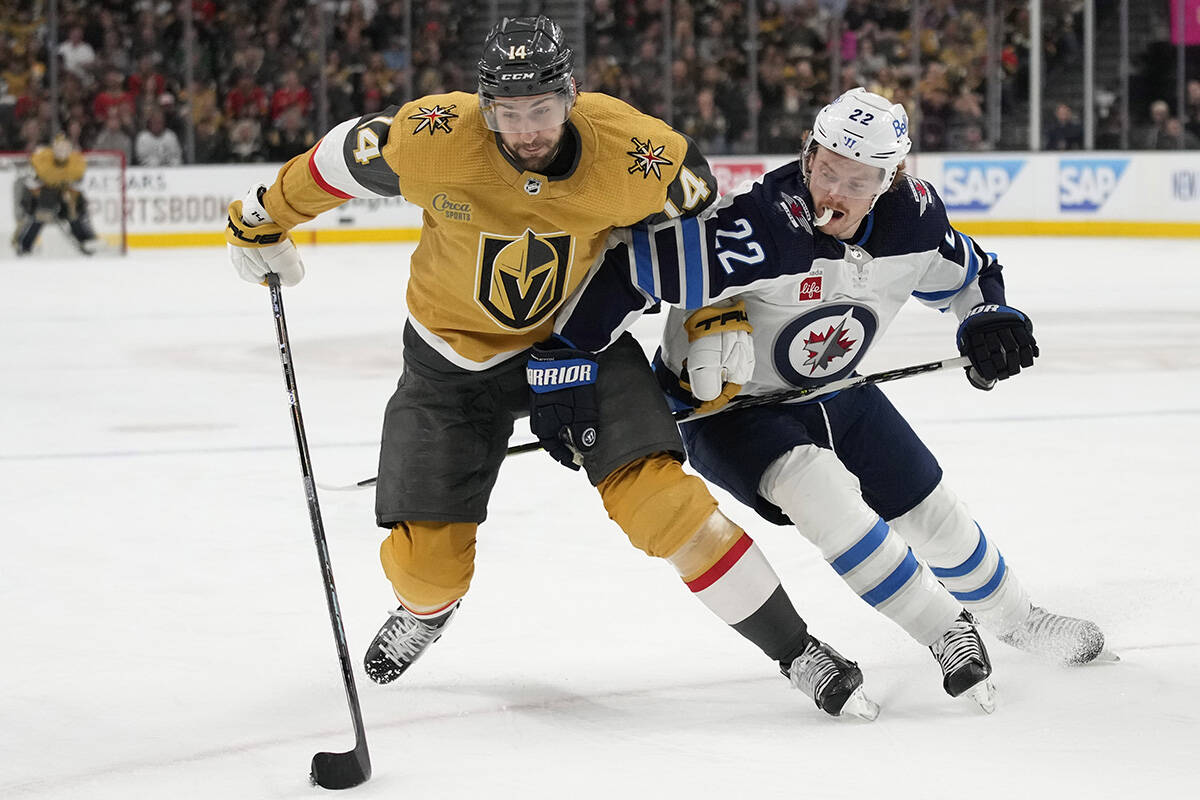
[401,641]
[966,668]
[1067,640]
[833,682]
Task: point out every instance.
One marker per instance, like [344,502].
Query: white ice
[165,632]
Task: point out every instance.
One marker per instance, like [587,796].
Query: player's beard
[535,156]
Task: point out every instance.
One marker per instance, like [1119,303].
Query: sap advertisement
[1012,192]
[1155,187]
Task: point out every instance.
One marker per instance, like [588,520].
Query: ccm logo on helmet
[520,76]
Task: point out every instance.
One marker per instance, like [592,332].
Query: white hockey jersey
[815,325]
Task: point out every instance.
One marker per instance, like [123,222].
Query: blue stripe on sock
[858,553]
[986,589]
[973,560]
[892,583]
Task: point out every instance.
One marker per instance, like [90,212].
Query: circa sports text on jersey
[501,248]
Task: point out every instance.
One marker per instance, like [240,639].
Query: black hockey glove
[999,341]
[563,413]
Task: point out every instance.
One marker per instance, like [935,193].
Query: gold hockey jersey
[54,174]
[500,249]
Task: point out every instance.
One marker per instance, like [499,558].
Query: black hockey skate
[966,668]
[833,682]
[401,641]
[1067,640]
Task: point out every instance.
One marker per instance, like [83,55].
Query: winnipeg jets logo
[823,348]
[796,210]
[823,344]
[434,119]
[647,158]
[920,193]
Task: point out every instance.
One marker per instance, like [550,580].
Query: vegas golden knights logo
[521,278]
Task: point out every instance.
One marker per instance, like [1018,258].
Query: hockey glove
[720,355]
[563,413]
[257,245]
[998,340]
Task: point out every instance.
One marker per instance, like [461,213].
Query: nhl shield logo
[521,278]
[533,186]
[824,344]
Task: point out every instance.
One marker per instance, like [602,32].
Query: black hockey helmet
[523,57]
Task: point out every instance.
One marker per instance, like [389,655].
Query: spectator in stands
[210,142]
[114,95]
[245,98]
[245,137]
[785,127]
[113,136]
[114,51]
[157,145]
[706,124]
[1065,133]
[1160,112]
[973,138]
[1192,108]
[77,55]
[147,80]
[291,94]
[291,136]
[1176,137]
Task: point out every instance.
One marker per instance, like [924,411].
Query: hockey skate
[833,683]
[401,641]
[1066,640]
[966,668]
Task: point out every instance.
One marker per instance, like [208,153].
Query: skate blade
[1106,657]
[861,706]
[984,695]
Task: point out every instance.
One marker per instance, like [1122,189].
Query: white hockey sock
[943,533]
[822,497]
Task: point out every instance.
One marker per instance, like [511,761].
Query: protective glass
[845,178]
[526,114]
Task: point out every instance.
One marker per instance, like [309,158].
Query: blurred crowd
[256,70]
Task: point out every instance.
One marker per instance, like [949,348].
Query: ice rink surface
[165,631]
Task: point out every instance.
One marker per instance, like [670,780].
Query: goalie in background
[51,194]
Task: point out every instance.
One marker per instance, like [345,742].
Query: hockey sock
[943,533]
[737,583]
[822,498]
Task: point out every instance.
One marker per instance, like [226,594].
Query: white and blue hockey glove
[998,340]
[257,245]
[563,412]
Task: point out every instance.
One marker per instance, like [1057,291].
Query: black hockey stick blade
[341,770]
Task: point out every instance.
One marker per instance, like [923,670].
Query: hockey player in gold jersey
[52,194]
[520,186]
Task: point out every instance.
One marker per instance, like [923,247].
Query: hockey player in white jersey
[826,250]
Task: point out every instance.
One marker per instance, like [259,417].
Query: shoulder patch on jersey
[920,192]
[647,158]
[434,119]
[797,211]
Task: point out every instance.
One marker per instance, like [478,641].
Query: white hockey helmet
[865,127]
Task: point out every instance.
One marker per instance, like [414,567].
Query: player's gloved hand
[563,412]
[257,245]
[998,340]
[720,354]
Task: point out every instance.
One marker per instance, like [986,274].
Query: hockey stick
[787,395]
[329,770]
[766,399]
